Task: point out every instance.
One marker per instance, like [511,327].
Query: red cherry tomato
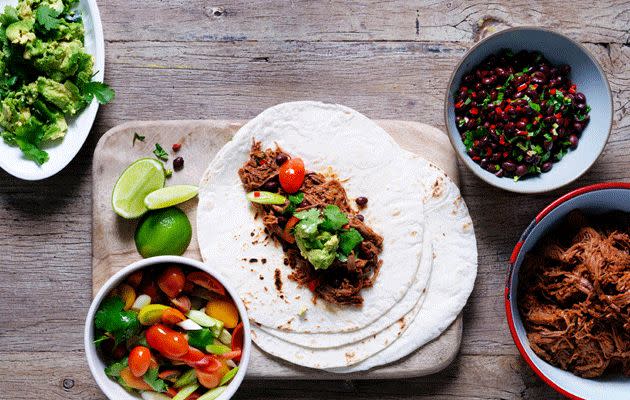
[172,316]
[237,340]
[151,290]
[167,341]
[204,280]
[135,279]
[291,175]
[286,235]
[182,303]
[139,360]
[172,281]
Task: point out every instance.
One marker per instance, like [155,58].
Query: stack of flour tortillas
[429,252]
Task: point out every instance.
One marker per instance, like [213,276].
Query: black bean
[578,126]
[178,163]
[580,98]
[282,220]
[508,166]
[580,106]
[573,139]
[521,170]
[548,145]
[361,201]
[499,173]
[360,217]
[546,166]
[281,158]
[270,186]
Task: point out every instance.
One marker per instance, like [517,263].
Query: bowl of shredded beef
[568,293]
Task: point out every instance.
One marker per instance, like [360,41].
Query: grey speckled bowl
[586,73]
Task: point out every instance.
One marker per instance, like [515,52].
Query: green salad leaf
[111,317]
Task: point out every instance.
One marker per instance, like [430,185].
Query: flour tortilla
[452,278]
[453,275]
[324,136]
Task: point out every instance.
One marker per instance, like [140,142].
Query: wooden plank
[112,237]
[241,20]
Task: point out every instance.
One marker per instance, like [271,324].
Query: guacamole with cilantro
[45,74]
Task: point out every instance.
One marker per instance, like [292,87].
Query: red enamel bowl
[592,200]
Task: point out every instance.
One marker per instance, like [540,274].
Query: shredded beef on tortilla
[574,297]
[342,282]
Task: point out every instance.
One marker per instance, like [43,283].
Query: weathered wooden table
[174,59]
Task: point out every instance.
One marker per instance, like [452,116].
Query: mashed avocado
[45,73]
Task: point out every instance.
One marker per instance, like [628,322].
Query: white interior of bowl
[592,203]
[585,73]
[111,388]
[63,151]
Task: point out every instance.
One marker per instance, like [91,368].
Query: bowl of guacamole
[51,72]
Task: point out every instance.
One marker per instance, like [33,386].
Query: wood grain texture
[175,59]
[112,237]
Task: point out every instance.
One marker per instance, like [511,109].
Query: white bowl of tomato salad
[167,328]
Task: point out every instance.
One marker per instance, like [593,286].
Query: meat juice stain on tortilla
[278,280]
[574,295]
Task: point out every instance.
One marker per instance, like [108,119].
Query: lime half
[136,182]
[170,196]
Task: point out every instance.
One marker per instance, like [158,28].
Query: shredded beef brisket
[574,298]
[342,282]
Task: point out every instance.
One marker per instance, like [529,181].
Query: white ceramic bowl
[586,73]
[592,200]
[111,388]
[64,151]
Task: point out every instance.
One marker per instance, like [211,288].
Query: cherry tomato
[135,279]
[232,355]
[237,340]
[172,316]
[167,341]
[204,280]
[151,290]
[171,392]
[291,175]
[139,360]
[170,375]
[172,281]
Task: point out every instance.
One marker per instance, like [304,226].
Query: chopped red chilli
[517,113]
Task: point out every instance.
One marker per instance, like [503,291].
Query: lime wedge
[136,182]
[170,196]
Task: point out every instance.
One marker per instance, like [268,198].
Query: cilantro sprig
[160,152]
[151,378]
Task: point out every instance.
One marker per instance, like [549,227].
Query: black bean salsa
[517,114]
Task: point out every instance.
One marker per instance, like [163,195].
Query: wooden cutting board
[112,237]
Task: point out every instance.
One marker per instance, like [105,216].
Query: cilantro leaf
[103,93]
[348,240]
[151,378]
[294,201]
[9,16]
[160,152]
[534,106]
[28,138]
[47,17]
[113,370]
[334,219]
[309,221]
[137,137]
[308,214]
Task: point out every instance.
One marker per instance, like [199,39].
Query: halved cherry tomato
[132,381]
[172,316]
[150,289]
[287,236]
[170,392]
[172,281]
[291,175]
[182,303]
[139,360]
[135,279]
[237,339]
[167,341]
[204,280]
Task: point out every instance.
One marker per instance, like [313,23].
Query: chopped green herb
[46,17]
[113,370]
[111,317]
[160,152]
[348,240]
[136,136]
[468,101]
[334,219]
[151,378]
[294,201]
